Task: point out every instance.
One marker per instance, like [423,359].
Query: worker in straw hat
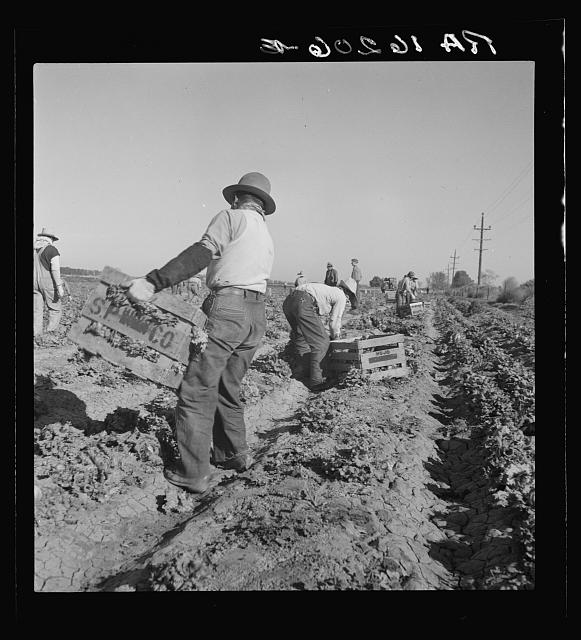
[331,276]
[48,287]
[303,309]
[300,279]
[238,252]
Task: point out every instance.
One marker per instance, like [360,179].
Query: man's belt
[237,291]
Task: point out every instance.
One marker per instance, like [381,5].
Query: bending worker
[332,276]
[48,286]
[303,308]
[238,251]
[405,291]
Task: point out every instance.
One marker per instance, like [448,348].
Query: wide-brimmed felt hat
[354,260]
[350,288]
[329,264]
[411,274]
[256,184]
[48,234]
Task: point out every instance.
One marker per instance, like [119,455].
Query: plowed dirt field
[394,484]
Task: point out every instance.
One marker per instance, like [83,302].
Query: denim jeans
[209,407]
[308,334]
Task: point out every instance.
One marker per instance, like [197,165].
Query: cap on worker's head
[411,274]
[349,286]
[354,260]
[300,273]
[329,264]
[254,183]
[48,234]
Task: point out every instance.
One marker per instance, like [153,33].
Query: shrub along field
[421,482]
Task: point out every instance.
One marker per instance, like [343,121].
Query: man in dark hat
[49,287]
[238,252]
[303,309]
[331,277]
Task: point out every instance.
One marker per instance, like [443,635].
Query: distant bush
[71,271]
[512,295]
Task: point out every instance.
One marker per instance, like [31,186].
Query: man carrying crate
[303,308]
[238,252]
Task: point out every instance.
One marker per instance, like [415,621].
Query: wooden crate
[170,342]
[416,308]
[381,356]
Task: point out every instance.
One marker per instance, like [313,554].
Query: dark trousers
[209,407]
[308,334]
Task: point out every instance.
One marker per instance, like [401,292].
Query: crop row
[499,394]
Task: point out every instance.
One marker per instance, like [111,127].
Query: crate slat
[160,371]
[163,299]
[368,360]
[163,338]
[380,340]
[346,355]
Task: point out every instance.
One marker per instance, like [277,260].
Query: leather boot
[195,485]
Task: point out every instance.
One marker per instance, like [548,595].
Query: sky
[389,162]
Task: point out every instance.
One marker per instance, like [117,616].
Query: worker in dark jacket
[331,277]
[238,252]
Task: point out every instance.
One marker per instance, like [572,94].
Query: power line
[515,208]
[511,187]
[519,221]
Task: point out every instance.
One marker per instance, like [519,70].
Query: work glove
[140,290]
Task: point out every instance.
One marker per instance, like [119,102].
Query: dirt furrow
[479,549]
[309,515]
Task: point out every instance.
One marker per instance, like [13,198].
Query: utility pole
[482,229]
[448,268]
[454,258]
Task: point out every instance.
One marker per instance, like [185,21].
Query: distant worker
[356,271]
[331,277]
[405,292]
[238,252]
[300,279]
[303,308]
[384,285]
[48,287]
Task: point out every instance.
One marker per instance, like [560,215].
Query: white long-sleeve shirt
[242,250]
[330,300]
